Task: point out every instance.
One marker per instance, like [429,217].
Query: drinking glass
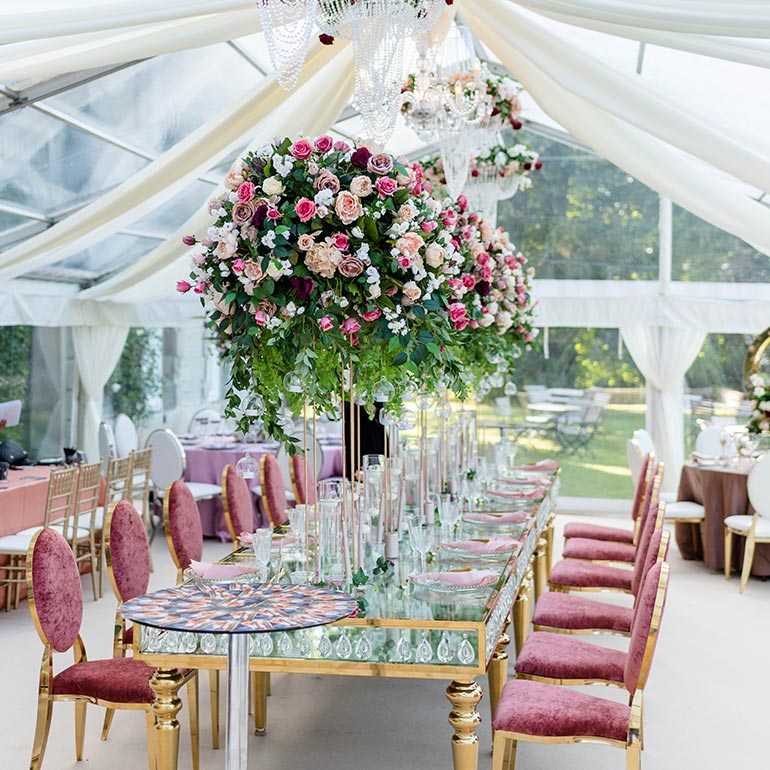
[421,538]
[262,542]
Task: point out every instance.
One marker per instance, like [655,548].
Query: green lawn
[606,474]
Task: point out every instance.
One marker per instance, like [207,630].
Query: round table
[722,491]
[237,610]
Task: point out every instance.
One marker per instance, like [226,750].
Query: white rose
[272,186]
[487,320]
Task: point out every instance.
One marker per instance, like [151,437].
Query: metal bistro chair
[576,436]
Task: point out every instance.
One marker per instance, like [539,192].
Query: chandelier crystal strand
[456,159]
[287,25]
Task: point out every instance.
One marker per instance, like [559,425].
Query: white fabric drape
[59,55]
[663,355]
[97,350]
[704,17]
[77,18]
[686,181]
[624,96]
[160,180]
[49,340]
[155,274]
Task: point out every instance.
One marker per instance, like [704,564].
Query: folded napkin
[493,545]
[512,517]
[541,465]
[532,480]
[468,577]
[205,569]
[533,495]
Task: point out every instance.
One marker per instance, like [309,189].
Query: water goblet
[421,538]
[262,542]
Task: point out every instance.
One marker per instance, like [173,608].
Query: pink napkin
[535,493]
[539,480]
[493,545]
[247,538]
[512,517]
[541,465]
[205,569]
[469,577]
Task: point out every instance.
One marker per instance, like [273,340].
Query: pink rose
[454,283]
[483,258]
[350,326]
[325,323]
[457,311]
[200,287]
[468,281]
[188,240]
[462,202]
[386,186]
[474,324]
[243,211]
[409,243]
[350,267]
[324,143]
[341,146]
[348,207]
[380,164]
[301,149]
[486,273]
[260,317]
[305,209]
[371,315]
[404,262]
[354,340]
[391,290]
[246,191]
[273,214]
[428,227]
[341,241]
[326,180]
[461,324]
[183,287]
[239,265]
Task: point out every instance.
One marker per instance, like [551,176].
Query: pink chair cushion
[239,504]
[56,589]
[575,613]
[643,548]
[599,550]
[305,496]
[129,552]
[535,708]
[128,636]
[558,656]
[184,525]
[598,532]
[274,491]
[586,574]
[120,680]
[640,630]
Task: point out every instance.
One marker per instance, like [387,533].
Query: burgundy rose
[483,288]
[495,111]
[527,166]
[516,124]
[539,164]
[326,39]
[303,287]
[360,158]
[259,216]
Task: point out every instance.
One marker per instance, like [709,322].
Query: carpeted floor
[705,703]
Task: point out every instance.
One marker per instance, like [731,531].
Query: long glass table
[404,632]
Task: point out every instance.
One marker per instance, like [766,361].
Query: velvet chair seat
[585,574]
[555,656]
[575,613]
[599,550]
[598,532]
[535,708]
[120,680]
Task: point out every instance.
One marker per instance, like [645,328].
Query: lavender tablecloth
[723,493]
[206,464]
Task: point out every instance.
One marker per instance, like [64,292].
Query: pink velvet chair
[541,712]
[572,614]
[56,604]
[615,534]
[184,535]
[236,502]
[582,575]
[302,480]
[605,551]
[273,491]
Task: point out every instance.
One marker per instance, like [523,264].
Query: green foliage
[137,377]
[15,356]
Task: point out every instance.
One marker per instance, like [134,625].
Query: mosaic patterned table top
[238,609]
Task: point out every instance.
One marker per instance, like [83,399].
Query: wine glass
[262,542]
[421,538]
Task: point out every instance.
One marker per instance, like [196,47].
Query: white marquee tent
[118,119]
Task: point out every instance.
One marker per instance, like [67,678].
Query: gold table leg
[541,567]
[165,683]
[497,673]
[261,683]
[464,695]
[521,614]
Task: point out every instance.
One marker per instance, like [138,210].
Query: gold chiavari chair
[80,528]
[61,494]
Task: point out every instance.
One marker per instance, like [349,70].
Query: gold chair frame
[46,699]
[748,554]
[83,540]
[504,746]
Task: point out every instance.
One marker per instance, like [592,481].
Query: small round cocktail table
[238,609]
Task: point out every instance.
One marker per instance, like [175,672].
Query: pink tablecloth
[206,465]
[22,504]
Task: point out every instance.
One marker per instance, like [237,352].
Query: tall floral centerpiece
[759,400]
[323,258]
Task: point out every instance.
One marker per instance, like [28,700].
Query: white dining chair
[206,413]
[107,446]
[634,457]
[645,441]
[168,464]
[756,528]
[126,440]
[709,442]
